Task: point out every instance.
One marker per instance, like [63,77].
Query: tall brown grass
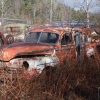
[72,80]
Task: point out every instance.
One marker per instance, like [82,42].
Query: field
[69,81]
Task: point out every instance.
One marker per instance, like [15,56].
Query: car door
[80,42]
[67,50]
[77,42]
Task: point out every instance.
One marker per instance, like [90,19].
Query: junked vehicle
[15,32]
[3,41]
[45,47]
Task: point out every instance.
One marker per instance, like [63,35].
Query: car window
[33,37]
[77,38]
[48,37]
[86,38]
[66,39]
[13,29]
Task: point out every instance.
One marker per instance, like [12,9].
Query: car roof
[59,29]
[22,26]
[54,29]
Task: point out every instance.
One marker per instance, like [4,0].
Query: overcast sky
[77,4]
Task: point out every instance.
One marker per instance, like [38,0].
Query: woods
[39,11]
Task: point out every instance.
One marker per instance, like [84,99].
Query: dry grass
[69,81]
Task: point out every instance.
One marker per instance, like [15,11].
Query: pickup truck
[46,47]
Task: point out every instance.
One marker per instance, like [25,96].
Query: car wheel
[10,39]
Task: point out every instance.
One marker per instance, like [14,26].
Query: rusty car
[46,47]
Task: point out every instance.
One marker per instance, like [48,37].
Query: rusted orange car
[46,47]
[3,41]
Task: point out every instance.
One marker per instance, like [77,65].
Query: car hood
[16,49]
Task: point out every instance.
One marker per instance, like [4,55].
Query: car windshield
[42,37]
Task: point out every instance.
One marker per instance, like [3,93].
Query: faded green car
[15,32]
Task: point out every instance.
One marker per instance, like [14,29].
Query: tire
[10,39]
